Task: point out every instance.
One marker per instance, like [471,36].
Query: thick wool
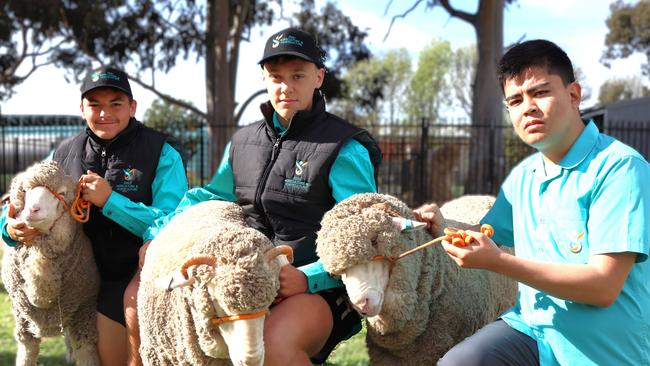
[430,304]
[175,327]
[53,282]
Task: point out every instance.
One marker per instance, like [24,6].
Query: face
[107,112]
[544,111]
[290,86]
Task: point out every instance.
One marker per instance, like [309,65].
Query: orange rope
[80,210]
[457,237]
[218,320]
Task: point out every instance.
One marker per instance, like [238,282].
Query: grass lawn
[350,353]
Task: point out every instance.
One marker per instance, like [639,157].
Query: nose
[529,105]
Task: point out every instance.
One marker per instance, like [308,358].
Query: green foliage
[463,73]
[629,32]
[614,90]
[429,85]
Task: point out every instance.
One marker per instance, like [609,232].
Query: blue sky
[578,26]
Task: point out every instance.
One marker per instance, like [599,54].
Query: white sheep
[233,270]
[53,281]
[425,304]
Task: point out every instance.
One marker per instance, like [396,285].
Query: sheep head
[32,194]
[241,283]
[352,233]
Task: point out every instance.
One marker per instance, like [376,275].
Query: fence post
[421,195]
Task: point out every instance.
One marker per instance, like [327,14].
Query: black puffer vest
[128,163]
[282,182]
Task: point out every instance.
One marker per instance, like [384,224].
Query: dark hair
[276,60]
[538,52]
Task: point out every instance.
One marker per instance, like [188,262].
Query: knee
[131,294]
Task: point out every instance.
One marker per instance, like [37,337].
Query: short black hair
[538,52]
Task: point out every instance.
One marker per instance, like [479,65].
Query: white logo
[276,40]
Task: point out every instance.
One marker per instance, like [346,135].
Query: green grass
[350,353]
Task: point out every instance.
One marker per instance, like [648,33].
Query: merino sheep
[425,304]
[240,276]
[53,281]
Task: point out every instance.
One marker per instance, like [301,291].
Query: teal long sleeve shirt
[167,189]
[351,173]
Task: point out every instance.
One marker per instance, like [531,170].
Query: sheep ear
[405,225]
[276,251]
[172,281]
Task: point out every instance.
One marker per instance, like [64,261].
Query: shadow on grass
[9,359]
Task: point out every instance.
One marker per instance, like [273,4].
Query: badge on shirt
[576,245]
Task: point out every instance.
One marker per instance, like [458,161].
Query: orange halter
[80,209]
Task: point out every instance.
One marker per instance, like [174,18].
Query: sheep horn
[196,260]
[405,225]
[276,251]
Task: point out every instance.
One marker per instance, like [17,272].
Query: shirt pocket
[571,236]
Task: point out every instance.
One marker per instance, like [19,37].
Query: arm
[597,283]
[167,189]
[618,235]
[221,187]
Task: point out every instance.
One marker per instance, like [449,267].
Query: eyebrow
[529,90]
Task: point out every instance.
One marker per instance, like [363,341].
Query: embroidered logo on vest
[132,177]
[300,166]
[297,183]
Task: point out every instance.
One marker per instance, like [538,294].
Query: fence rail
[423,161]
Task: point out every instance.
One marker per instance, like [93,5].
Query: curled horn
[276,251]
[196,260]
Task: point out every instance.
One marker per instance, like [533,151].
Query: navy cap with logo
[293,42]
[106,78]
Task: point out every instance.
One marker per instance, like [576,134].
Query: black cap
[293,42]
[106,78]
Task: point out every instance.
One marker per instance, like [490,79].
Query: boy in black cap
[286,171]
[131,176]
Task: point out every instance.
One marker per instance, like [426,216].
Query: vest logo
[300,167]
[131,178]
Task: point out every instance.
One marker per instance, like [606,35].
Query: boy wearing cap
[131,175]
[286,171]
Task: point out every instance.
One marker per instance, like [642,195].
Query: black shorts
[110,301]
[347,322]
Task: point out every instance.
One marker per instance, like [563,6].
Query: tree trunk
[486,162]
[219,68]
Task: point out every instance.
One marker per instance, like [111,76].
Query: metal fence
[423,161]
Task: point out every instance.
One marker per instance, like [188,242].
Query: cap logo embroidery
[106,75]
[276,40]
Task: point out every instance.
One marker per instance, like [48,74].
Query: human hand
[142,252]
[18,230]
[292,282]
[430,213]
[95,189]
[482,252]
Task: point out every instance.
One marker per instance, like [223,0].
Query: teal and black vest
[128,163]
[282,182]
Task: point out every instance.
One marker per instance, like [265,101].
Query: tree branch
[246,103]
[169,98]
[470,18]
[403,15]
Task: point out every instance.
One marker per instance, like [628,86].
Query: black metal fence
[423,161]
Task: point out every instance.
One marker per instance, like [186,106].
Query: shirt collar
[577,153]
[581,148]
[277,125]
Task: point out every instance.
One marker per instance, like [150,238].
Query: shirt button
[109,213]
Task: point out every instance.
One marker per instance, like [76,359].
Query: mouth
[533,125]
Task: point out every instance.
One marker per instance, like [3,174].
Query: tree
[487,106]
[614,90]
[375,89]
[146,37]
[462,75]
[628,26]
[427,91]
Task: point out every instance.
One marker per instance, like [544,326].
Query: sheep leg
[82,336]
[27,352]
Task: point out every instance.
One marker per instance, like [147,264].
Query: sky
[577,26]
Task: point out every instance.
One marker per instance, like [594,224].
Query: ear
[133,107]
[172,281]
[406,225]
[575,91]
[320,77]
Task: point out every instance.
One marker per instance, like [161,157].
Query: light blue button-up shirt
[596,200]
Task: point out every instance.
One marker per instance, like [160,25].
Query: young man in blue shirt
[578,215]
[131,176]
[286,171]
